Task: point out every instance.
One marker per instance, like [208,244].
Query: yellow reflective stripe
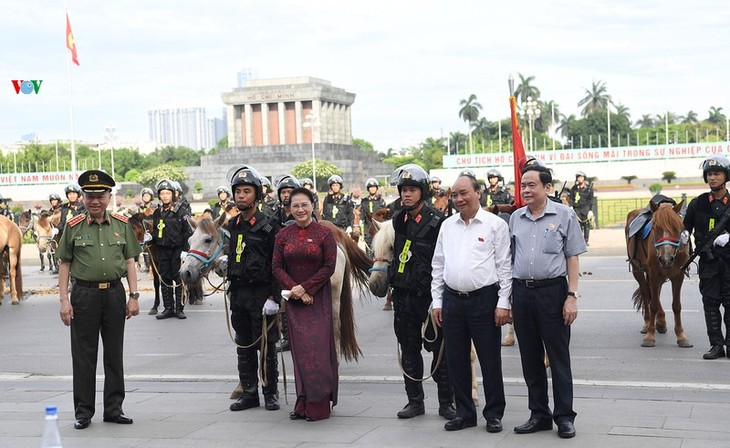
[404,256]
[160,226]
[489,199]
[239,248]
[371,206]
[712,225]
[334,211]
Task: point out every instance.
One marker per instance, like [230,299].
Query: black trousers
[98,311]
[467,319]
[538,322]
[715,289]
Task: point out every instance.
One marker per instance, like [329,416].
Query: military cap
[95,181]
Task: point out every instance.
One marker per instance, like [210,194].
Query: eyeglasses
[300,205]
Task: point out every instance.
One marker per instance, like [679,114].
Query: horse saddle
[642,223]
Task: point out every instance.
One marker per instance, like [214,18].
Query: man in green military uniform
[97,249]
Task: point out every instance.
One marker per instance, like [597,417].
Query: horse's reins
[424,327]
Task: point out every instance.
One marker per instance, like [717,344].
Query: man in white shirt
[471,287]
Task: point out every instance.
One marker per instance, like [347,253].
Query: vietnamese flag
[518,151]
[70,42]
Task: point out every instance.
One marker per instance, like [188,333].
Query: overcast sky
[408,62]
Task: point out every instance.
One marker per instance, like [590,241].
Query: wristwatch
[573,294]
[134,295]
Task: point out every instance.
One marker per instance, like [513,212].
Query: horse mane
[665,218]
[208,226]
[381,214]
[384,237]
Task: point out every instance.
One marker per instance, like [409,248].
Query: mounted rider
[269,203]
[495,193]
[337,207]
[285,183]
[368,206]
[253,291]
[74,206]
[225,196]
[416,227]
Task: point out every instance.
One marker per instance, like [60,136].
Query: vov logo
[27,87]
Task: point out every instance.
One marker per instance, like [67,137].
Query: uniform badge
[551,226]
[93,178]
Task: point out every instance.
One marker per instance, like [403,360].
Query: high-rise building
[246,75]
[181,127]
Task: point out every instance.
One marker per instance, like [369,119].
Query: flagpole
[71,110]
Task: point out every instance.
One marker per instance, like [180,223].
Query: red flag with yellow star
[70,42]
[518,151]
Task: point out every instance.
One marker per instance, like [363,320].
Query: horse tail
[19,276]
[638,299]
[349,348]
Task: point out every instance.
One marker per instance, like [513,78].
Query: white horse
[383,243]
[210,241]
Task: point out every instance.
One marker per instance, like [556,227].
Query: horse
[43,233]
[651,268]
[142,223]
[442,202]
[383,243]
[11,244]
[209,242]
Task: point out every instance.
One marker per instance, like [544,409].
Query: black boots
[247,364]
[713,320]
[178,302]
[445,392]
[168,302]
[284,342]
[414,389]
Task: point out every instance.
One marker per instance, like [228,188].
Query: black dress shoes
[294,416]
[180,315]
[566,429]
[82,423]
[458,423]
[168,313]
[447,411]
[534,425]
[244,403]
[120,419]
[494,425]
[716,351]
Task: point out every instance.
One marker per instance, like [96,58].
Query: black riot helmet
[224,189]
[335,179]
[412,174]
[72,187]
[246,175]
[717,163]
[371,182]
[165,184]
[494,173]
[54,196]
[285,181]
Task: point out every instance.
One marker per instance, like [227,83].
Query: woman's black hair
[304,191]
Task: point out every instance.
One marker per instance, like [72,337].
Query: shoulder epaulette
[120,217]
[76,219]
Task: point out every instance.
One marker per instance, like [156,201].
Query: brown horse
[142,223]
[11,244]
[43,234]
[654,260]
[441,202]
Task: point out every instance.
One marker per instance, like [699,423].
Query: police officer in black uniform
[284,186]
[409,274]
[370,204]
[581,199]
[73,207]
[5,208]
[307,183]
[495,193]
[146,207]
[268,204]
[170,233]
[225,196]
[55,201]
[703,215]
[253,290]
[337,208]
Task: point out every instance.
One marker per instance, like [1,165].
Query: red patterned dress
[307,257]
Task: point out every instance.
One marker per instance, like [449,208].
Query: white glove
[722,239]
[35,235]
[147,237]
[223,263]
[286,294]
[349,229]
[590,215]
[270,307]
[684,237]
[183,254]
[54,231]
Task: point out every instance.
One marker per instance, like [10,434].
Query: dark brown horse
[653,261]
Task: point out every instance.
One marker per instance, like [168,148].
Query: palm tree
[524,89]
[567,124]
[596,99]
[469,112]
[545,121]
[645,121]
[690,118]
[671,118]
[622,112]
[716,116]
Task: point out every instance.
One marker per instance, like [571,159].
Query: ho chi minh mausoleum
[266,129]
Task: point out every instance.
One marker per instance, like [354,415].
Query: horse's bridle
[380,268]
[208,259]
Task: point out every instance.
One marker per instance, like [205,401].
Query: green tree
[151,176]
[690,118]
[525,89]
[628,179]
[363,144]
[324,171]
[645,121]
[470,109]
[567,124]
[669,176]
[596,99]
[622,113]
[132,175]
[716,116]
[222,143]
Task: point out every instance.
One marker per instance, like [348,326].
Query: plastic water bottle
[51,436]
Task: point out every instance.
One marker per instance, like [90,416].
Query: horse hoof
[684,343]
[648,343]
[152,312]
[661,330]
[643,330]
[15,302]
